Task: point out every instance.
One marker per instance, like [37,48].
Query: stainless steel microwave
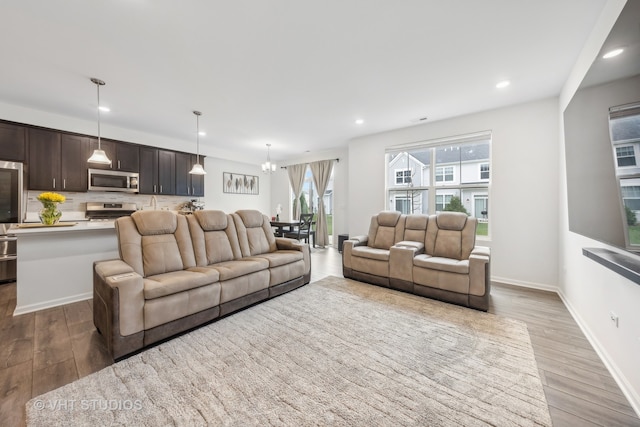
[105,180]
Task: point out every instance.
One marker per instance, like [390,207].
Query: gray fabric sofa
[177,272]
[433,256]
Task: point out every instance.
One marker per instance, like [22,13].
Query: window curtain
[321,172]
[296,179]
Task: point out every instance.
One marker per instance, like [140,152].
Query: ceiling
[296,74]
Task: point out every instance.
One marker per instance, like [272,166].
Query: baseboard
[618,376]
[524,284]
[52,303]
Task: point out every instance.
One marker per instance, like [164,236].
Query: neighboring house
[456,170]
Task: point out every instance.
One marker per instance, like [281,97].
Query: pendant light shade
[268,167]
[99,156]
[197,169]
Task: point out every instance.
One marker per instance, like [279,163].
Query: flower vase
[49,214]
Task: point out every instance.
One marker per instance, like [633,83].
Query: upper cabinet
[12,142]
[44,160]
[123,156]
[57,161]
[157,171]
[188,184]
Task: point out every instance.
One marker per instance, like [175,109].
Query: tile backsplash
[77,202]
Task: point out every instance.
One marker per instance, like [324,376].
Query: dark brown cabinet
[157,171]
[57,161]
[186,183]
[44,160]
[123,156]
[74,152]
[12,142]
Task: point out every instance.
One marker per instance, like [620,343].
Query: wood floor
[50,348]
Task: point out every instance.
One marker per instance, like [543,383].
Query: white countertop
[76,227]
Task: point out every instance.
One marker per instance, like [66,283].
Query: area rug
[333,353]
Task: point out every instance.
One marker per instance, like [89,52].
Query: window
[442,200]
[624,127]
[625,156]
[402,204]
[631,197]
[444,174]
[434,176]
[403,176]
[484,171]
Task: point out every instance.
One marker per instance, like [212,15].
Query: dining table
[282,227]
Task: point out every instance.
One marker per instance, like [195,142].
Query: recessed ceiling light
[359,121]
[503,84]
[201,133]
[103,108]
[612,53]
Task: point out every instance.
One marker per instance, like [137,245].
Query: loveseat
[433,256]
[177,272]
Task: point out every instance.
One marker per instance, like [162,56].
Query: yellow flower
[51,197]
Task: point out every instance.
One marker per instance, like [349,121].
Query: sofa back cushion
[214,237]
[386,229]
[155,242]
[451,235]
[254,233]
[415,227]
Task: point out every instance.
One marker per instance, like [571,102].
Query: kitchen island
[55,264]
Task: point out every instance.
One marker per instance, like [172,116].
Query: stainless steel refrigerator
[11,192]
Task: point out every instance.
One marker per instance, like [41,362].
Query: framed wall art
[238,183]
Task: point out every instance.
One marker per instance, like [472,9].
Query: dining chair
[304,231]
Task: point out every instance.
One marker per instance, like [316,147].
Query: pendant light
[268,167]
[99,156]
[197,169]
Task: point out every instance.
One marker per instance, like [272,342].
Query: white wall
[524,185]
[590,290]
[216,198]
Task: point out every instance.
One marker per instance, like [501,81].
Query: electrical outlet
[614,318]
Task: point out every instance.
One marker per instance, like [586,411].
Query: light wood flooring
[50,348]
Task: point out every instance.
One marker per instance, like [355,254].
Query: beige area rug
[333,353]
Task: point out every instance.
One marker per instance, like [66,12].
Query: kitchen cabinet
[188,184]
[57,162]
[157,171]
[12,142]
[44,160]
[123,156]
[74,152]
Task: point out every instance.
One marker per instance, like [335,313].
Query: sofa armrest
[283,243]
[479,271]
[118,294]
[401,259]
[347,247]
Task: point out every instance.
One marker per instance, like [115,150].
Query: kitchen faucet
[154,202]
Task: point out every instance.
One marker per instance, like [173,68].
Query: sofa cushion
[385,229]
[151,223]
[451,220]
[161,285]
[278,258]
[160,254]
[370,253]
[254,233]
[232,269]
[214,237]
[442,264]
[211,220]
[415,227]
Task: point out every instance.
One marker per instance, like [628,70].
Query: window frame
[464,183]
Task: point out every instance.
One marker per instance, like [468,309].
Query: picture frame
[239,183]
